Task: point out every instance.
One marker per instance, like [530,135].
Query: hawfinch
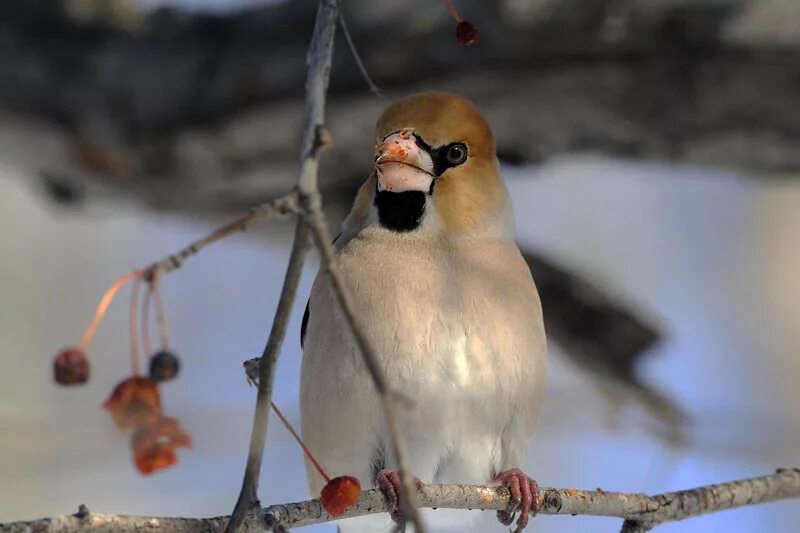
[449,304]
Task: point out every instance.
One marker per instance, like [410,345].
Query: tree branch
[281,206]
[311,203]
[623,77]
[641,512]
[248,496]
[319,65]
[316,220]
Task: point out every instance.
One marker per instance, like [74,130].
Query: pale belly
[459,333]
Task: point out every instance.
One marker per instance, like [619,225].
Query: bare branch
[281,206]
[641,508]
[319,66]
[641,512]
[315,137]
[266,373]
[357,57]
[319,230]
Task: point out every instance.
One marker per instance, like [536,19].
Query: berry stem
[148,301]
[160,315]
[133,329]
[452,9]
[301,443]
[102,307]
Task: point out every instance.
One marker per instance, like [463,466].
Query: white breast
[459,330]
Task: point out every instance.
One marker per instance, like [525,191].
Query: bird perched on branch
[448,302]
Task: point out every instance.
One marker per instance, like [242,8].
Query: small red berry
[466,33]
[71,367]
[164,366]
[340,494]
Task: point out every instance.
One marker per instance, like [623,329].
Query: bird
[448,302]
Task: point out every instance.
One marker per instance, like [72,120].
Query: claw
[388,481]
[524,497]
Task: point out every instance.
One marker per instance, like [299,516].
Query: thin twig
[281,206]
[634,508]
[357,58]
[319,230]
[314,138]
[134,314]
[248,494]
[299,440]
[102,307]
[146,341]
[319,63]
[161,315]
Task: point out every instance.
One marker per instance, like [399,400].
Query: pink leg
[388,481]
[524,497]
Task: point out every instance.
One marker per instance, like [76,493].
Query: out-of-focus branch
[641,512]
[201,114]
[281,206]
[191,111]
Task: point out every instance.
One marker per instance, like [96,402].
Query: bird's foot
[388,481]
[524,497]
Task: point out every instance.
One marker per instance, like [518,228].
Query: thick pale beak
[401,165]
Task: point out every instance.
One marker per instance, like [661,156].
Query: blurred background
[652,150]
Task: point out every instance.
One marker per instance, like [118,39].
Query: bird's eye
[456,154]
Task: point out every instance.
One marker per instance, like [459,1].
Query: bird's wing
[304,324]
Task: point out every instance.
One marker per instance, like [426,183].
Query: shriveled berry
[71,367]
[155,457]
[154,445]
[340,494]
[165,430]
[135,402]
[164,366]
[466,33]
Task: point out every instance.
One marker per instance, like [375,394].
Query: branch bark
[313,215]
[388,398]
[280,206]
[248,496]
[638,510]
[319,64]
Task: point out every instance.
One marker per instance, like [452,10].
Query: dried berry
[164,366]
[154,445]
[165,430]
[339,494]
[135,402]
[71,367]
[466,33]
[152,458]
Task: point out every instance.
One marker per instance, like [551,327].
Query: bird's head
[435,166]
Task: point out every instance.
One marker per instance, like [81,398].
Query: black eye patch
[444,157]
